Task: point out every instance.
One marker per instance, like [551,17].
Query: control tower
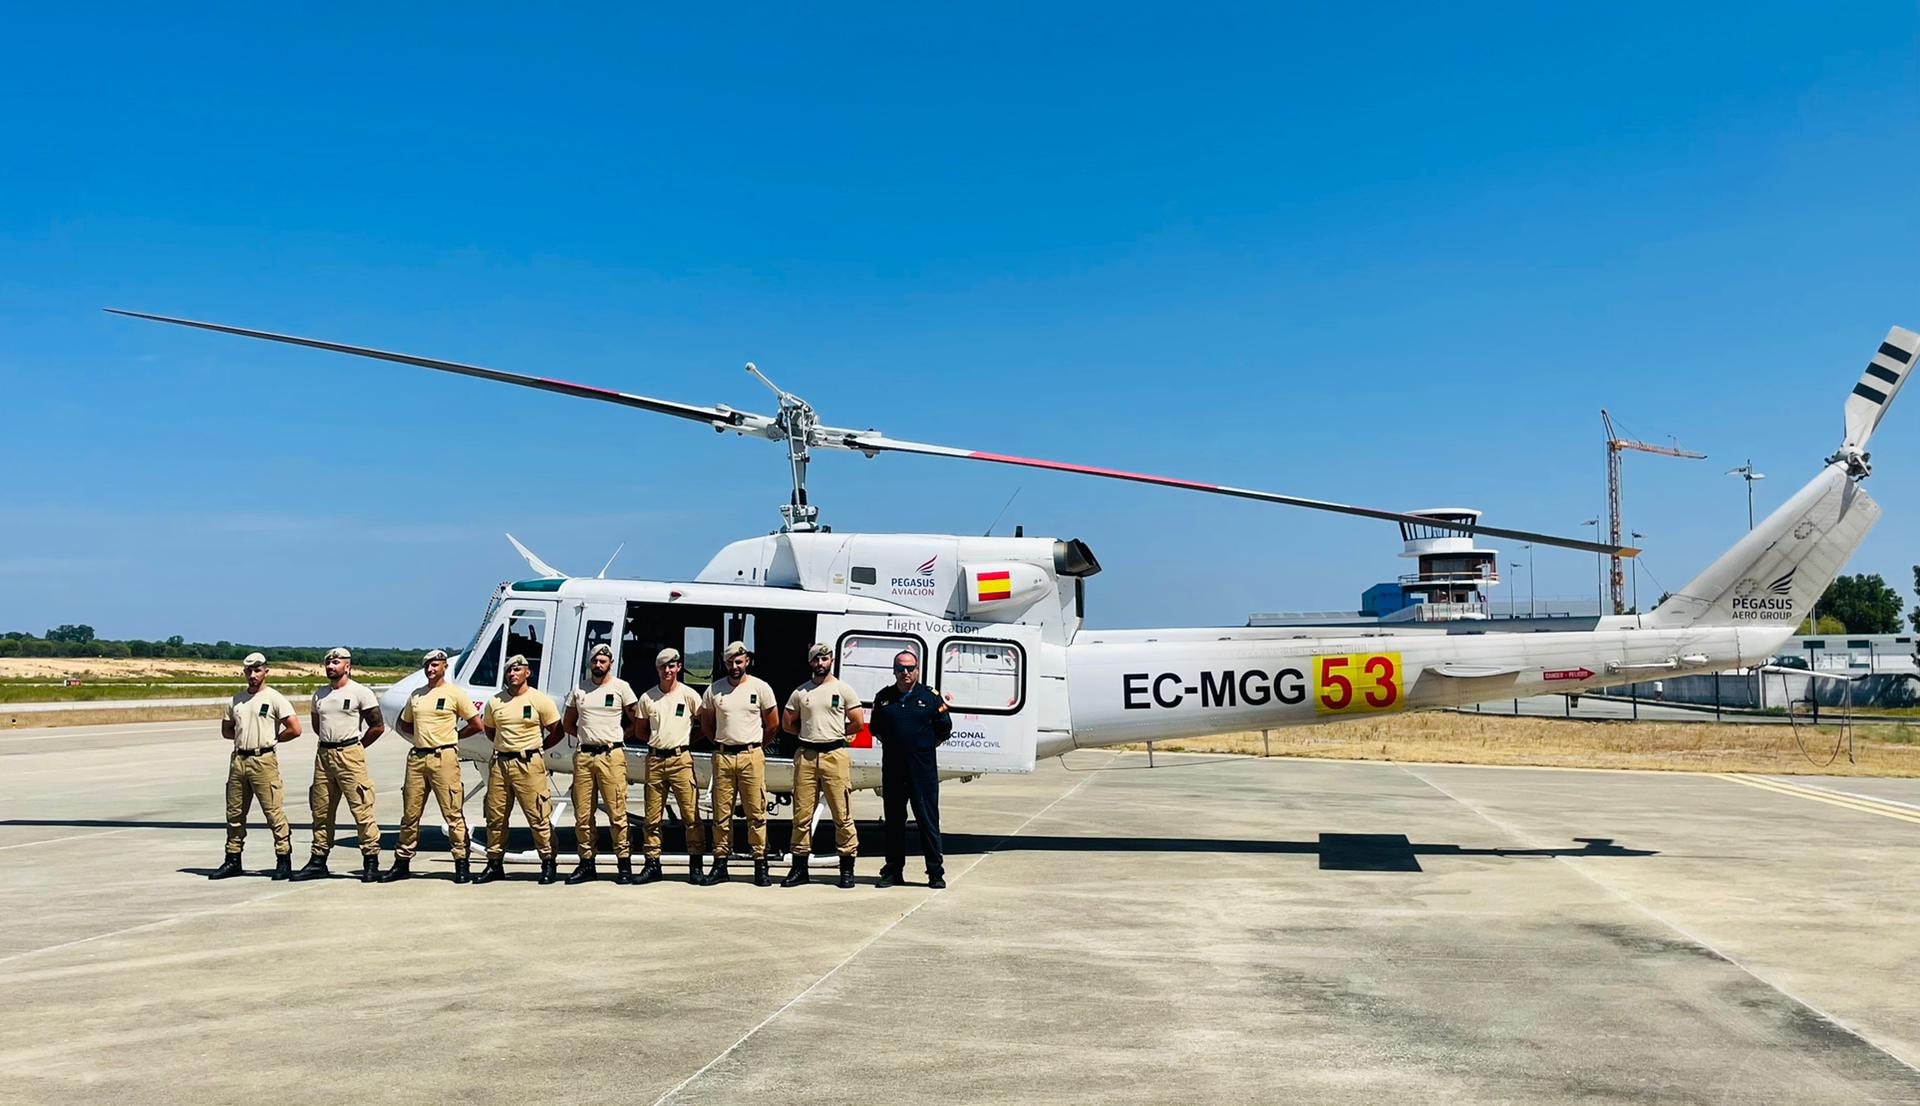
[1455,573]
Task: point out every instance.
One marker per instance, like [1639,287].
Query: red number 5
[1329,679]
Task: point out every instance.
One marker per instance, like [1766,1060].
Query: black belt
[653,752]
[528,755]
[596,750]
[338,744]
[428,752]
[827,748]
[736,750]
[252,752]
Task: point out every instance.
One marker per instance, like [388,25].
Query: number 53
[1356,682]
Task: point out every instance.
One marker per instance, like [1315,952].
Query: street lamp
[1637,535]
[1513,595]
[1745,472]
[1528,546]
[1599,572]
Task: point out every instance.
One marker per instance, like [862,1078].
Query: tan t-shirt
[256,718]
[736,709]
[669,715]
[336,712]
[823,709]
[602,707]
[519,721]
[435,713]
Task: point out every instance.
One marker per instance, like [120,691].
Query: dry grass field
[1444,737]
[136,668]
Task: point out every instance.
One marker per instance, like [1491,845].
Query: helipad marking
[1820,795]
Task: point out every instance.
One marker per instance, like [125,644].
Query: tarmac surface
[1210,930]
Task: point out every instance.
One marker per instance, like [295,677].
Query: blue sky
[1393,255]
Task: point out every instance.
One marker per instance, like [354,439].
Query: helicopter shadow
[1337,852]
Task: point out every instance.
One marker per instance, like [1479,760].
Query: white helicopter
[997,621]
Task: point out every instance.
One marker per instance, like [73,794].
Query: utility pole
[1745,472]
[1513,595]
[1615,445]
[1530,610]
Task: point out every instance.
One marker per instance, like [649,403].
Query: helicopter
[998,622]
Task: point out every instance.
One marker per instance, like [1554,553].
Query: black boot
[369,869]
[228,868]
[402,868]
[718,874]
[694,868]
[936,880]
[846,871]
[549,870]
[888,877]
[625,871]
[799,874]
[760,878]
[495,869]
[650,871]
[283,867]
[315,869]
[461,872]
[583,872]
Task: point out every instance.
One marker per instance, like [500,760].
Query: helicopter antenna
[1003,512]
[546,571]
[797,424]
[603,568]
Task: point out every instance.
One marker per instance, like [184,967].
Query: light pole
[1637,535]
[1599,572]
[1513,596]
[1746,473]
[1530,611]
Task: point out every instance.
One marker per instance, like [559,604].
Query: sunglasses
[905,667]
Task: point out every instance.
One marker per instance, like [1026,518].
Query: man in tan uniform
[668,713]
[823,713]
[257,720]
[523,723]
[346,719]
[435,718]
[600,714]
[739,711]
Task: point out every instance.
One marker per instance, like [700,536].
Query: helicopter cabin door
[520,626]
[983,676]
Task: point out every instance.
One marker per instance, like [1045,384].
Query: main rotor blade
[881,444]
[724,417]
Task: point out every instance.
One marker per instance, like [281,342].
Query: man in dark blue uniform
[911,721]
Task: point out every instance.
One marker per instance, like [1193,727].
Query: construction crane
[1615,445]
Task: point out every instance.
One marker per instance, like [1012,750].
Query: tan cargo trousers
[248,778]
[818,773]
[437,771]
[741,775]
[512,780]
[671,771]
[341,773]
[605,775]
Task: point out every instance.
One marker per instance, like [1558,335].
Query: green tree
[67,632]
[1826,625]
[1863,604]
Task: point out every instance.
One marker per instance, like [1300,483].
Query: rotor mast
[796,424]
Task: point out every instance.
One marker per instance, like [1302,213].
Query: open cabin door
[984,680]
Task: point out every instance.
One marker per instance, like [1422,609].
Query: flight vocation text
[1338,684]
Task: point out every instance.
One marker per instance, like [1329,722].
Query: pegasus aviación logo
[1772,601]
[920,584]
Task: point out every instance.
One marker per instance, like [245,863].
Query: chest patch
[753,698]
[679,710]
[264,708]
[836,702]
[527,711]
[609,701]
[439,704]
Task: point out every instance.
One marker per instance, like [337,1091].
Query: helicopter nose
[395,697]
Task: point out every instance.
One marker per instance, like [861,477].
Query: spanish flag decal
[992,585]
